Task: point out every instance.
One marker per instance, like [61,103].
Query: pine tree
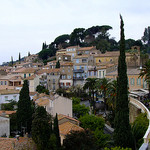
[19,58]
[24,110]
[56,132]
[122,133]
[58,64]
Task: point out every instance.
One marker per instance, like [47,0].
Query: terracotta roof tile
[73,47]
[25,70]
[66,127]
[66,64]
[48,70]
[7,112]
[129,72]
[87,48]
[9,91]
[61,116]
[7,143]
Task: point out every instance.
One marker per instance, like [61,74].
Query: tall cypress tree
[24,110]
[56,132]
[122,133]
[19,58]
[12,62]
[58,64]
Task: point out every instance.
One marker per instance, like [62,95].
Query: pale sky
[26,24]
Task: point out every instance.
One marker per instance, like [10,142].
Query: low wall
[144,109]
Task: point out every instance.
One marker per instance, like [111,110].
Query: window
[75,67]
[69,76]
[99,74]
[5,82]
[103,74]
[1,82]
[99,60]
[94,73]
[86,52]
[53,80]
[24,75]
[63,77]
[77,60]
[85,68]
[14,97]
[72,55]
[84,60]
[6,98]
[90,73]
[68,84]
[132,81]
[139,81]
[29,74]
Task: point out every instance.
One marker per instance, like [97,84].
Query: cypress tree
[12,62]
[24,110]
[29,54]
[122,133]
[56,132]
[41,131]
[19,58]
[58,64]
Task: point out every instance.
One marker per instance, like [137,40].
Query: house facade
[4,126]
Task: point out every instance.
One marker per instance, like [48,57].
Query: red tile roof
[61,116]
[66,127]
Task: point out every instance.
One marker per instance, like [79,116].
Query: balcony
[78,78]
[92,68]
[78,70]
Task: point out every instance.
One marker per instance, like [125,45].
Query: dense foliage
[79,140]
[56,132]
[9,106]
[91,122]
[42,89]
[78,109]
[41,128]
[139,128]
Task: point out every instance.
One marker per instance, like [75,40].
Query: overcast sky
[26,24]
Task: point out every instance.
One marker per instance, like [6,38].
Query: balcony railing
[78,70]
[78,78]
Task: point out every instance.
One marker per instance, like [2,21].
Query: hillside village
[76,65]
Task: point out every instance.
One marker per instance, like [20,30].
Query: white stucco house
[4,126]
[55,104]
[9,94]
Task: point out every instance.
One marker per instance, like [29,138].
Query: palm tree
[112,92]
[145,72]
[111,101]
[91,86]
[103,85]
